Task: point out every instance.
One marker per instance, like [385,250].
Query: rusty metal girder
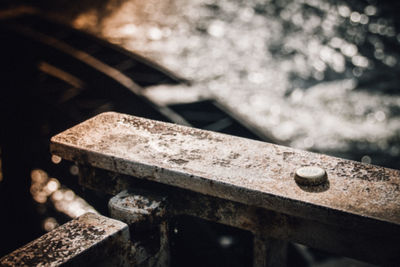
[359,201]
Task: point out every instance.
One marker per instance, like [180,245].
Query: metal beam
[263,223]
[358,200]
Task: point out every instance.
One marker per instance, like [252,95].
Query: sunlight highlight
[49,190]
[300,55]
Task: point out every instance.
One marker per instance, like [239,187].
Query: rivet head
[310,175]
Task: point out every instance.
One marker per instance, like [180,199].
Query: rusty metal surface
[135,208]
[145,213]
[356,242]
[72,242]
[254,173]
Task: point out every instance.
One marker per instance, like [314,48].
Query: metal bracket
[145,215]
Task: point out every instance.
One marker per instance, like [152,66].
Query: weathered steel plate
[254,173]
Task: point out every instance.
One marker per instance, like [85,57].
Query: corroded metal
[90,239]
[356,242]
[144,212]
[243,183]
[251,172]
[137,208]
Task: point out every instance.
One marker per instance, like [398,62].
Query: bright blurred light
[216,29]
[355,17]
[252,61]
[370,10]
[56,159]
[349,50]
[226,241]
[38,176]
[364,19]
[128,29]
[344,11]
[336,42]
[89,19]
[154,33]
[74,170]
[44,189]
[256,77]
[50,224]
[366,159]
[297,95]
[53,185]
[391,61]
[380,115]
[57,196]
[360,61]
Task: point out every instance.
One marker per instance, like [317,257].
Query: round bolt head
[310,175]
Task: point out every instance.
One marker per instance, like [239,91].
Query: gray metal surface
[88,240]
[254,173]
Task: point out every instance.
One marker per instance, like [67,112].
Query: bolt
[310,175]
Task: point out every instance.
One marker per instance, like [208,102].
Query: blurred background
[310,74]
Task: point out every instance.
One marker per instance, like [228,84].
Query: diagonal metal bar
[90,240]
